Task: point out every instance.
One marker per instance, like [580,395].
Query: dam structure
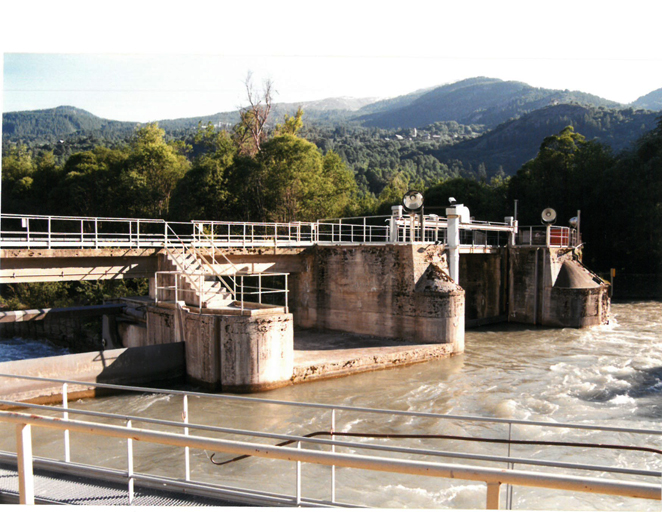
[225,298]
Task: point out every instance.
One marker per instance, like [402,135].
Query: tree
[250,133]
[301,184]
[151,172]
[203,192]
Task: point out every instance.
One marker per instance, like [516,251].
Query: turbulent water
[610,376]
[14,349]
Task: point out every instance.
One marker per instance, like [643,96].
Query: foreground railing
[327,454]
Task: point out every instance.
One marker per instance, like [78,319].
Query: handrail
[200,230]
[395,412]
[335,442]
[493,477]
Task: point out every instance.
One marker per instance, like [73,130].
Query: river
[609,375]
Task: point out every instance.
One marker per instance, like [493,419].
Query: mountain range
[513,116]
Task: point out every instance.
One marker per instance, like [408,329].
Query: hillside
[513,143]
[650,101]
[486,101]
[57,123]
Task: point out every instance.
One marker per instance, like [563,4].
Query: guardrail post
[129,464]
[96,233]
[49,232]
[82,236]
[24,456]
[259,288]
[287,296]
[27,225]
[298,476]
[138,233]
[65,417]
[493,493]
[187,451]
[333,449]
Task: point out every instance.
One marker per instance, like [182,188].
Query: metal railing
[548,236]
[34,232]
[327,452]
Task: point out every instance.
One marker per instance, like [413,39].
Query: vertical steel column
[129,464]
[287,308]
[333,449]
[24,456]
[187,451]
[49,232]
[493,496]
[65,417]
[298,476]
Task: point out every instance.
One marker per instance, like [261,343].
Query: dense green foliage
[620,197]
[513,143]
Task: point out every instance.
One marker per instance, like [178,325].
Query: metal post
[96,233]
[333,449]
[298,476]
[165,234]
[493,495]
[242,291]
[509,487]
[259,288]
[138,233]
[49,232]
[24,457]
[187,454]
[287,309]
[65,417]
[27,225]
[202,292]
[81,233]
[129,463]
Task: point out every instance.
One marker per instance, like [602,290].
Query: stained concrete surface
[326,354]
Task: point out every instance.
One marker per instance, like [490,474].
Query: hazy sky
[143,60]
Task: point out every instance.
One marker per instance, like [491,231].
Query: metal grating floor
[51,487]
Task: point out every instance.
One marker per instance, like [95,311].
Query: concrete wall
[126,366]
[257,353]
[235,353]
[396,291]
[534,299]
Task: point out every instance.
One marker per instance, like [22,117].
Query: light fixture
[413,201]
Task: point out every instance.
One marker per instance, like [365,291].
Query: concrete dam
[244,307]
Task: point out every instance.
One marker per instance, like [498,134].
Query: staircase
[198,285]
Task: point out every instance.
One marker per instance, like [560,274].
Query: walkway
[59,488]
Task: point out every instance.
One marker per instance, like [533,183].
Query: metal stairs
[200,286]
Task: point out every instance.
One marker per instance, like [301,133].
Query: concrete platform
[329,354]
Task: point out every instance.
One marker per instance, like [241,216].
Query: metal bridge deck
[58,488]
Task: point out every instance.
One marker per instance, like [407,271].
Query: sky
[143,61]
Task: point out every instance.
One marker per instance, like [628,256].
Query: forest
[256,171]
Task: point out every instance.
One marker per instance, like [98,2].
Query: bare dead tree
[251,132]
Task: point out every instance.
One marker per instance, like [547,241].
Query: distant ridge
[513,143]
[650,101]
[58,122]
[481,100]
